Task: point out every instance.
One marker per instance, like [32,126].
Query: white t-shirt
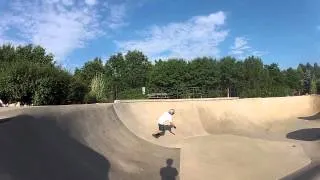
[165,118]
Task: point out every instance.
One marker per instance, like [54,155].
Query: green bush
[214,93]
[50,91]
[42,95]
[77,92]
[313,89]
[131,94]
[98,89]
[89,99]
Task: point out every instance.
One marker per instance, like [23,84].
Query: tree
[254,77]
[29,75]
[276,81]
[313,88]
[7,56]
[34,54]
[228,73]
[89,70]
[170,76]
[318,86]
[203,77]
[77,91]
[203,72]
[115,70]
[52,89]
[307,81]
[98,88]
[292,79]
[300,71]
[137,68]
[316,68]
[275,74]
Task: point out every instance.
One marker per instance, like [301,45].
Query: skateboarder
[165,122]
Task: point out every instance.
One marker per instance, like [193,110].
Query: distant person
[168,172]
[165,122]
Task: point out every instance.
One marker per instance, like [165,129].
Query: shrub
[131,94]
[53,89]
[98,88]
[77,91]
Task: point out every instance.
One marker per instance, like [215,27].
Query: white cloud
[67,2]
[198,36]
[241,49]
[91,2]
[60,26]
[240,46]
[117,15]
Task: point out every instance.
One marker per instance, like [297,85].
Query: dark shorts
[162,127]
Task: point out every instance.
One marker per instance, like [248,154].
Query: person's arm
[173,125]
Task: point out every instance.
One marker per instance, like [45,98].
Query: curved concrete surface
[256,117]
[230,157]
[268,119]
[141,118]
[258,138]
[79,142]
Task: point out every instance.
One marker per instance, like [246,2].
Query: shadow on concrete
[311,134]
[2,121]
[309,172]
[36,148]
[311,118]
[168,172]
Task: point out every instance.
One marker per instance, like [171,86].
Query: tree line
[29,74]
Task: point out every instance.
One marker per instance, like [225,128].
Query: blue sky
[285,32]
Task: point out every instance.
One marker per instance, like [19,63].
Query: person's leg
[160,132]
[169,128]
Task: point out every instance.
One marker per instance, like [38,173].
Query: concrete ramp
[141,119]
[230,157]
[256,117]
[234,139]
[80,142]
[217,136]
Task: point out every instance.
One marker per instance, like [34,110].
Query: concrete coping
[174,100]
[202,99]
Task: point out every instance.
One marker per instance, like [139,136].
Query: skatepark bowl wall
[254,117]
[78,142]
[228,138]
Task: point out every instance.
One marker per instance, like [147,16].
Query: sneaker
[155,136]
